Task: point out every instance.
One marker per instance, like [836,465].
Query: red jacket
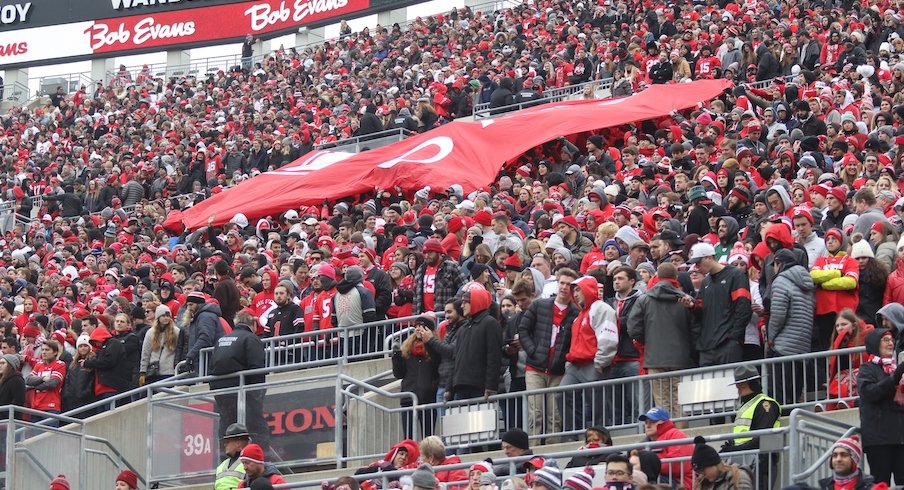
[449,476]
[894,288]
[668,432]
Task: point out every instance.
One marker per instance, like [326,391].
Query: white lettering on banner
[315,161]
[14,14]
[145,30]
[444,146]
[130,4]
[263,16]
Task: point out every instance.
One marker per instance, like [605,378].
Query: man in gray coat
[790,328]
[664,326]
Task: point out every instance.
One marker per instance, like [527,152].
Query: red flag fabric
[469,153]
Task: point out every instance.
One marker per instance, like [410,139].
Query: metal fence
[561,413]
[367,142]
[35,453]
[329,346]
[600,89]
[371,415]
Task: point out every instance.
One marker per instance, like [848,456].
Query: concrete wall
[127,429]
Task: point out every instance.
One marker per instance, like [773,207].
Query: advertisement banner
[153,31]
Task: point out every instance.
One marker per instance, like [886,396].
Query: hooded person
[593,345]
[790,328]
[401,456]
[846,463]
[778,237]
[112,374]
[881,412]
[779,201]
[891,317]
[477,349]
[727,230]
[626,235]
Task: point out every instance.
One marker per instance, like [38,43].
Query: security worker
[231,472]
[758,411]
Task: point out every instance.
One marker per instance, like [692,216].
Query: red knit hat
[433,245]
[852,445]
[455,223]
[31,331]
[483,217]
[253,453]
[129,478]
[59,483]
[839,193]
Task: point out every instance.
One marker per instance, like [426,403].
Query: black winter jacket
[478,353]
[239,350]
[535,334]
[110,365]
[78,388]
[881,419]
[12,392]
[419,374]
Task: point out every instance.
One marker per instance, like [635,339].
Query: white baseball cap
[701,250]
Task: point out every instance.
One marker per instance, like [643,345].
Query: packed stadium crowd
[766,222]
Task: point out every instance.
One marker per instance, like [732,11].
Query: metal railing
[32,458]
[561,413]
[328,346]
[552,95]
[369,416]
[16,93]
[369,141]
[678,468]
[811,440]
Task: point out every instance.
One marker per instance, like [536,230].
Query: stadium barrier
[482,111]
[367,142]
[51,450]
[329,346]
[372,415]
[561,413]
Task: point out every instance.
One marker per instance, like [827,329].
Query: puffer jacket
[664,326]
[535,333]
[204,331]
[790,327]
[887,253]
[881,419]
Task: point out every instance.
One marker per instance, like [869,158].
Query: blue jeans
[624,402]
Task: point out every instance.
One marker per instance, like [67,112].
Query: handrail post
[340,416]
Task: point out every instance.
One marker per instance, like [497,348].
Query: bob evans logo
[263,15]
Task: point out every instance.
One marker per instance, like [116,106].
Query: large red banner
[469,153]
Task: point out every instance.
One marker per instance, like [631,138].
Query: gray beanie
[423,477]
[354,274]
[12,360]
[402,267]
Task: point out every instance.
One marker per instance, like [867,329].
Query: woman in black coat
[881,417]
[78,388]
[12,384]
[419,372]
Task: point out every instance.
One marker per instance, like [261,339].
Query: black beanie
[704,456]
[10,306]
[477,270]
[516,437]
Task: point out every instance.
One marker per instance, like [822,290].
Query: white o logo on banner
[315,161]
[444,146]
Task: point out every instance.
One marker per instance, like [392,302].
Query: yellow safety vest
[745,416]
[229,476]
